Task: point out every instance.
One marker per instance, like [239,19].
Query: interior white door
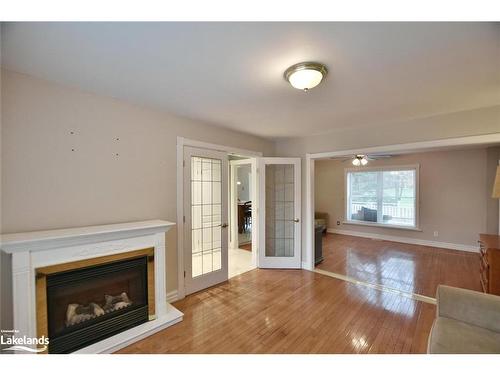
[205,210]
[279,216]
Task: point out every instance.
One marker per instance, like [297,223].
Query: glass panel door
[205,175]
[280,197]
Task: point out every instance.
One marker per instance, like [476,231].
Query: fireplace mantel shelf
[50,239]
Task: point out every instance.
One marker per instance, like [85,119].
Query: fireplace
[83,302]
[37,256]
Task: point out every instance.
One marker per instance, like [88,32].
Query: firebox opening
[89,304]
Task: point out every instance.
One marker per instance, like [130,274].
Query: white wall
[46,185]
[243,176]
[452,194]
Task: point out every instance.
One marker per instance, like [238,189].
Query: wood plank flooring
[410,268]
[247,246]
[293,311]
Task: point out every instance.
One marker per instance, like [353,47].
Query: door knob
[296,220]
[224,225]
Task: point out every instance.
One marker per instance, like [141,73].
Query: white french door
[279,216]
[205,210]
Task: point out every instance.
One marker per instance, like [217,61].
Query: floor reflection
[404,267]
[359,343]
[385,300]
[395,271]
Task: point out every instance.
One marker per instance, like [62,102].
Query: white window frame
[384,168]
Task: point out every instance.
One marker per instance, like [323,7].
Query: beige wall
[5,280]
[492,209]
[46,185]
[453,195]
[452,125]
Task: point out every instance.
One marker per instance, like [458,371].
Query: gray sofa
[466,322]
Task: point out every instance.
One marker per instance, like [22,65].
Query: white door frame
[233,209]
[181,142]
[424,146]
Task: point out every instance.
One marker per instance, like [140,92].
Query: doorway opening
[242,211]
[384,223]
[210,235]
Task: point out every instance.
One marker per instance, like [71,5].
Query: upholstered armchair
[321,218]
[466,322]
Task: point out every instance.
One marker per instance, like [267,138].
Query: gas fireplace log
[76,313]
[116,302]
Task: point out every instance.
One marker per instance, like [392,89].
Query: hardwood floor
[247,246]
[293,311]
[410,268]
[296,311]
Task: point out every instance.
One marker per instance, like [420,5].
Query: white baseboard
[305,266]
[172,296]
[413,241]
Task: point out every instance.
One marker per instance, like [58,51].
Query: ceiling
[231,74]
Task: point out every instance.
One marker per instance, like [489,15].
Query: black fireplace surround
[89,304]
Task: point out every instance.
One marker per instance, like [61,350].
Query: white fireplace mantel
[32,250]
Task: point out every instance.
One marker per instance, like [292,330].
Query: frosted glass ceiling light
[305,75]
[359,160]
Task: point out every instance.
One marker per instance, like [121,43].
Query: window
[382,196]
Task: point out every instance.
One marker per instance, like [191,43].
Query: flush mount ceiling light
[305,75]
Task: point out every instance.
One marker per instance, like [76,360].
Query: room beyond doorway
[242,203]
[384,222]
